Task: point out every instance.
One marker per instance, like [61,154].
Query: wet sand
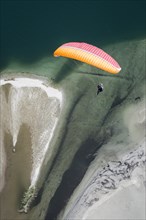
[6,89]
[17,177]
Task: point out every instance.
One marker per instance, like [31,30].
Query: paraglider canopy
[89,54]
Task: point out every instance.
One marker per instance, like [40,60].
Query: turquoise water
[31,30]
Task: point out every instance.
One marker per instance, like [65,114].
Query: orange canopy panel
[89,54]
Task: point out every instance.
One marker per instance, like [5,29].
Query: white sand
[25,95]
[29,82]
[127,203]
[111,190]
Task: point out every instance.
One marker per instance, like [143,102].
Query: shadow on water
[105,75]
[68,67]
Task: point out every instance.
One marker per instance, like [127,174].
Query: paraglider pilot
[99,88]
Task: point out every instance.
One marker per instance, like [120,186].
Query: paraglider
[100,88]
[89,54]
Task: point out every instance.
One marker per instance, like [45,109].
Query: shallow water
[29,34]
[18,172]
[31,31]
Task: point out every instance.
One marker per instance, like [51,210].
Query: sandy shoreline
[12,82]
[19,145]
